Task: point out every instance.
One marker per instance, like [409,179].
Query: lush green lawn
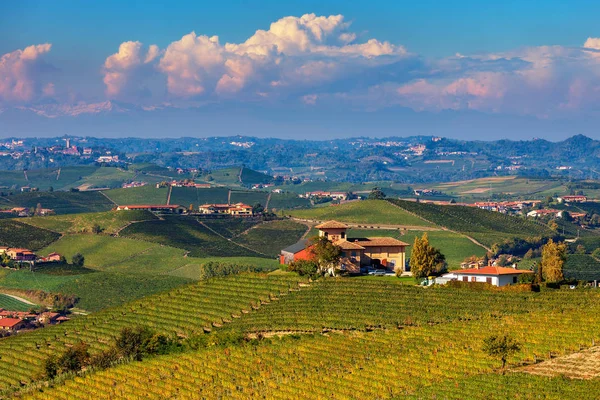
[362,212]
[270,237]
[109,221]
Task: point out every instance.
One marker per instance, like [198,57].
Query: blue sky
[511,59]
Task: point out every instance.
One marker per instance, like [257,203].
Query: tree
[580,249]
[75,358]
[78,260]
[96,229]
[258,209]
[38,209]
[304,268]
[425,259]
[376,194]
[553,260]
[326,255]
[553,225]
[51,189]
[131,342]
[500,346]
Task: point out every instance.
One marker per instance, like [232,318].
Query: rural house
[497,276]
[357,253]
[24,255]
[11,324]
[238,209]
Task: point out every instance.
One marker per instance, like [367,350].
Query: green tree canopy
[425,260]
[500,346]
[326,254]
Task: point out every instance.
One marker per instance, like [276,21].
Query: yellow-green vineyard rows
[184,311]
[359,304]
[367,365]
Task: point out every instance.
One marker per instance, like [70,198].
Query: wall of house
[392,257]
[333,234]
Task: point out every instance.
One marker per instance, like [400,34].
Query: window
[353,254]
[465,279]
[514,279]
[343,235]
[343,254]
[473,279]
[326,235]
[488,280]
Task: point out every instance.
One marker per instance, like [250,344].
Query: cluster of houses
[506,207]
[14,321]
[25,212]
[22,255]
[184,183]
[322,194]
[236,210]
[133,184]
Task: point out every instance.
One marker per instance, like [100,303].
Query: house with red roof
[356,253]
[157,208]
[11,324]
[497,276]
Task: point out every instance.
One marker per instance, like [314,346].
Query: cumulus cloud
[119,67]
[295,53]
[19,74]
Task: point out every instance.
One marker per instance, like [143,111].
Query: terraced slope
[185,311]
[17,234]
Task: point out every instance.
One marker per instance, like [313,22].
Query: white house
[497,276]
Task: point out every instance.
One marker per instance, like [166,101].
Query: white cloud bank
[18,78]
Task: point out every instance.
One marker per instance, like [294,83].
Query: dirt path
[58,174]
[20,299]
[25,173]
[109,199]
[229,197]
[169,195]
[240,175]
[268,201]
[232,241]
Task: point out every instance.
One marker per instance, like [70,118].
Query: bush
[305,268]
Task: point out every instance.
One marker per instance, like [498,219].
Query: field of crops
[109,221]
[148,194]
[230,227]
[63,202]
[12,304]
[188,234]
[280,201]
[364,212]
[194,269]
[16,234]
[415,361]
[270,237]
[251,177]
[485,226]
[250,198]
[582,267]
[187,310]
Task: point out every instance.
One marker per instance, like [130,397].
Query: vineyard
[271,237]
[582,267]
[12,304]
[186,311]
[63,202]
[367,212]
[16,234]
[109,221]
[148,194]
[487,227]
[438,359]
[188,234]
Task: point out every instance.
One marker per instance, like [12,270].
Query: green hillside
[62,202]
[140,195]
[269,238]
[188,234]
[109,221]
[362,212]
[334,333]
[487,227]
[12,304]
[251,177]
[16,234]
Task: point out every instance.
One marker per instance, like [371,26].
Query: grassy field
[109,221]
[454,246]
[225,176]
[367,212]
[63,202]
[16,234]
[269,238]
[140,195]
[11,304]
[186,233]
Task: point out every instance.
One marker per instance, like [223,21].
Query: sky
[300,69]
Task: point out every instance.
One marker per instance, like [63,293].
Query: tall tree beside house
[425,260]
[553,260]
[78,260]
[326,254]
[38,209]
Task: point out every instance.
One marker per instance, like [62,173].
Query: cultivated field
[16,234]
[62,202]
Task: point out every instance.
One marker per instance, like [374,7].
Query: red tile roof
[345,245]
[491,271]
[380,241]
[9,322]
[144,206]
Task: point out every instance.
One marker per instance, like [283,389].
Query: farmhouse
[572,199]
[238,209]
[497,276]
[158,208]
[11,324]
[52,257]
[18,254]
[357,253]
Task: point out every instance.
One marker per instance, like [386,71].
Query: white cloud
[18,79]
[119,67]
